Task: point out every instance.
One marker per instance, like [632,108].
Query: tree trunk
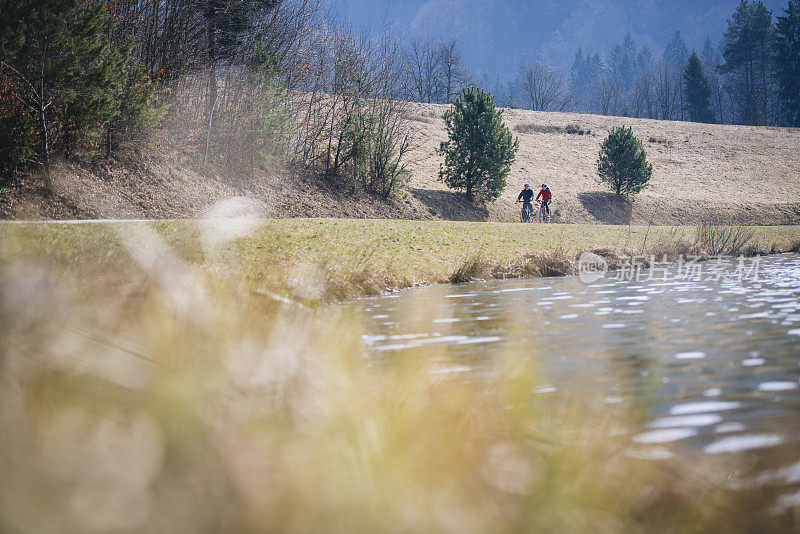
[212,56]
[48,182]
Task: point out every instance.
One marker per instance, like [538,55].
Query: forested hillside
[621,58]
[497,35]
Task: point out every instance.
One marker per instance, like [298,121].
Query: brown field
[700,171]
[730,174]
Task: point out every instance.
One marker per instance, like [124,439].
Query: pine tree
[748,50]
[480,149]
[711,55]
[622,162]
[624,61]
[787,62]
[697,91]
[584,79]
[69,78]
[675,52]
[675,56]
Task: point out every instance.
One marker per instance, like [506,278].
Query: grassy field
[168,377]
[334,259]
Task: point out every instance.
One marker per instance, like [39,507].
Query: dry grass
[478,267]
[793,247]
[699,170]
[474,268]
[720,240]
[146,387]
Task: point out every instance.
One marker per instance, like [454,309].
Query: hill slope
[747,174]
[734,173]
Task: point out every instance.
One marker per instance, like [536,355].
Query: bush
[723,240]
[577,129]
[529,128]
[358,128]
[659,141]
[622,163]
[572,129]
[480,150]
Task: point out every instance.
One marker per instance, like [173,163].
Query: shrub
[529,128]
[577,129]
[572,129]
[659,141]
[723,240]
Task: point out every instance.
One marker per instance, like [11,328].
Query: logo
[591,267]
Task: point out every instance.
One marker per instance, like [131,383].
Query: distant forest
[495,36]
[745,74]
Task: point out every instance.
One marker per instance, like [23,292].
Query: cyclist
[547,196]
[526,196]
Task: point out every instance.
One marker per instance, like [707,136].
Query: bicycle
[544,213]
[527,212]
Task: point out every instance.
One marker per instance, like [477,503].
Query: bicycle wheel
[525,216]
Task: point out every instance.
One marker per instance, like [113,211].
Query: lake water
[714,356]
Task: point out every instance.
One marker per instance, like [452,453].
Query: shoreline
[320,261]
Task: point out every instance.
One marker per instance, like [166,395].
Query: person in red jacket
[546,195]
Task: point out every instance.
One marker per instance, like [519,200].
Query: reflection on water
[716,362]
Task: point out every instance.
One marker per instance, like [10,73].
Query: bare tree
[667,92]
[644,98]
[353,124]
[453,74]
[424,63]
[608,96]
[544,87]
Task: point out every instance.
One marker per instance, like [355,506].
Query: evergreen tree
[787,62]
[577,79]
[711,55]
[622,162]
[644,60]
[675,57]
[748,50]
[624,61]
[480,149]
[584,79]
[697,91]
[675,52]
[68,77]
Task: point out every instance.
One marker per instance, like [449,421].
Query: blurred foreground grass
[156,378]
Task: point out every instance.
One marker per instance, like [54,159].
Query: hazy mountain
[496,35]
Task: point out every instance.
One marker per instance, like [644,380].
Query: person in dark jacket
[526,197]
